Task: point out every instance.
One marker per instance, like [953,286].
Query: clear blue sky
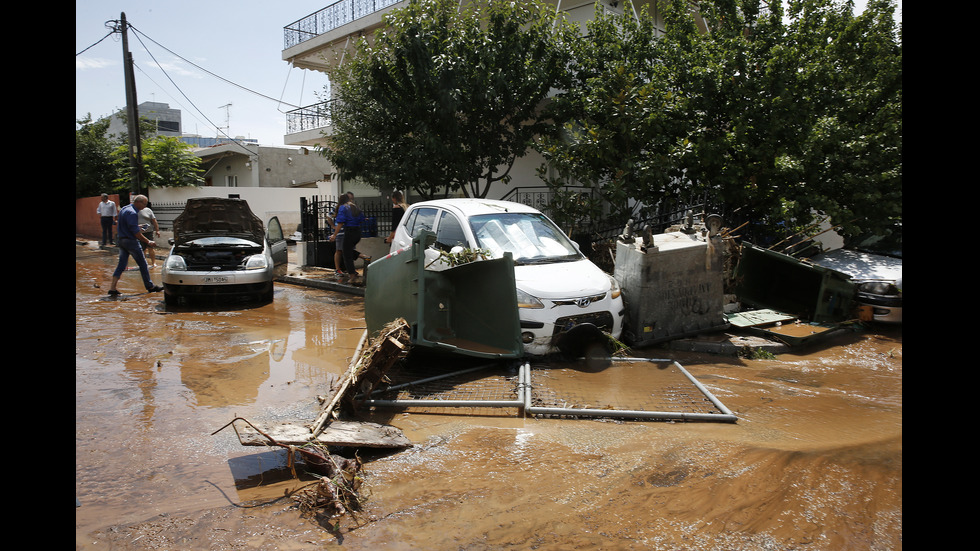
[240,42]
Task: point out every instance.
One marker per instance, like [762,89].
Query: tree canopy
[169,162]
[773,115]
[772,111]
[446,97]
[94,170]
[102,162]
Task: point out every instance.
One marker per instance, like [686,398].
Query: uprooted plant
[336,491]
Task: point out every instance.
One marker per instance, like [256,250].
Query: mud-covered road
[814,461]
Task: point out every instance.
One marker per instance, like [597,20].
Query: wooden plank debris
[338,433]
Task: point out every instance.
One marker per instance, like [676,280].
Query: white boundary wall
[265,202]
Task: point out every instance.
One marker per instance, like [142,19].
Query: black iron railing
[335,15]
[311,117]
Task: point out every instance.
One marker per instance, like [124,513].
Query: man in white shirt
[107,216]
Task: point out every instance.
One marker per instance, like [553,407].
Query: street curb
[318,283]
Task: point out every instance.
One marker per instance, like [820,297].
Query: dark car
[222,249]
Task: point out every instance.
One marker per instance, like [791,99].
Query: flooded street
[814,461]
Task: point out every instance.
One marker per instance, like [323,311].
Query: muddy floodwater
[814,460]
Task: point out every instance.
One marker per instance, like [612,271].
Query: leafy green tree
[772,114]
[94,169]
[618,119]
[791,112]
[447,97]
[167,162]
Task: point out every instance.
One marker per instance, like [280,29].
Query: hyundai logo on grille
[582,302]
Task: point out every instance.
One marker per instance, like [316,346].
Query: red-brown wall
[87,222]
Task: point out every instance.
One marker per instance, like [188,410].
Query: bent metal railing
[673,394]
[335,15]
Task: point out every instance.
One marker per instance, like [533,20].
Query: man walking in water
[130,237]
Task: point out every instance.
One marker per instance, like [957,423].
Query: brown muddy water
[814,461]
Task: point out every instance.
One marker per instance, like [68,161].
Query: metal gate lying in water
[543,391]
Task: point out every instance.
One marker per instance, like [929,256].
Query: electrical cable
[141,33]
[250,152]
[110,33]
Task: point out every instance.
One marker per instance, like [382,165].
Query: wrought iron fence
[307,118]
[335,15]
[316,224]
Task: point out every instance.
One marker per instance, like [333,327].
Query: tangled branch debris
[334,494]
[336,491]
[366,370]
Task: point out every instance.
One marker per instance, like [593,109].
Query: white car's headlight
[256,262]
[614,290]
[176,262]
[525,300]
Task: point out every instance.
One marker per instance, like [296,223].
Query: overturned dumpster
[797,302]
[468,309]
[781,282]
[673,283]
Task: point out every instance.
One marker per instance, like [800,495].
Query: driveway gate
[316,225]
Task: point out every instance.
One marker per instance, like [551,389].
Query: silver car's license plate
[218,279]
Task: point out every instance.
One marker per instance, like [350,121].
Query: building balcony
[306,125]
[317,41]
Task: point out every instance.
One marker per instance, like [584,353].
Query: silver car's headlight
[883,288]
[256,262]
[176,262]
[525,300]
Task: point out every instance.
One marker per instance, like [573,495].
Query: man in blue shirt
[129,236]
[349,220]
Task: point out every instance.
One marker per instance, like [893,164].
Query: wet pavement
[814,461]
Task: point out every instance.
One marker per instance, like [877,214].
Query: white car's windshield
[530,237]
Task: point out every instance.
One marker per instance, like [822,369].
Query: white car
[563,298]
[221,249]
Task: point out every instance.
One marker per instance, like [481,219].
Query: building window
[232,181]
[168,126]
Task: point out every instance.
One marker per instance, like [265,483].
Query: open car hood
[216,216]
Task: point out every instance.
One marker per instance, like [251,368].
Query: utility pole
[132,115]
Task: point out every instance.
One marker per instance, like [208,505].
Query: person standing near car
[130,239]
[338,238]
[398,208]
[349,220]
[148,225]
[107,217]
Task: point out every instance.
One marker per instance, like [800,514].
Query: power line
[209,72]
[110,33]
[114,28]
[185,95]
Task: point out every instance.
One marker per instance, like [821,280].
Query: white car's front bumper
[541,328]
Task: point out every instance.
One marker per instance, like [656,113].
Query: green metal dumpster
[781,282]
[470,309]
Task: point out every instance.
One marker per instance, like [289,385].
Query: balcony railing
[310,117]
[335,15]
